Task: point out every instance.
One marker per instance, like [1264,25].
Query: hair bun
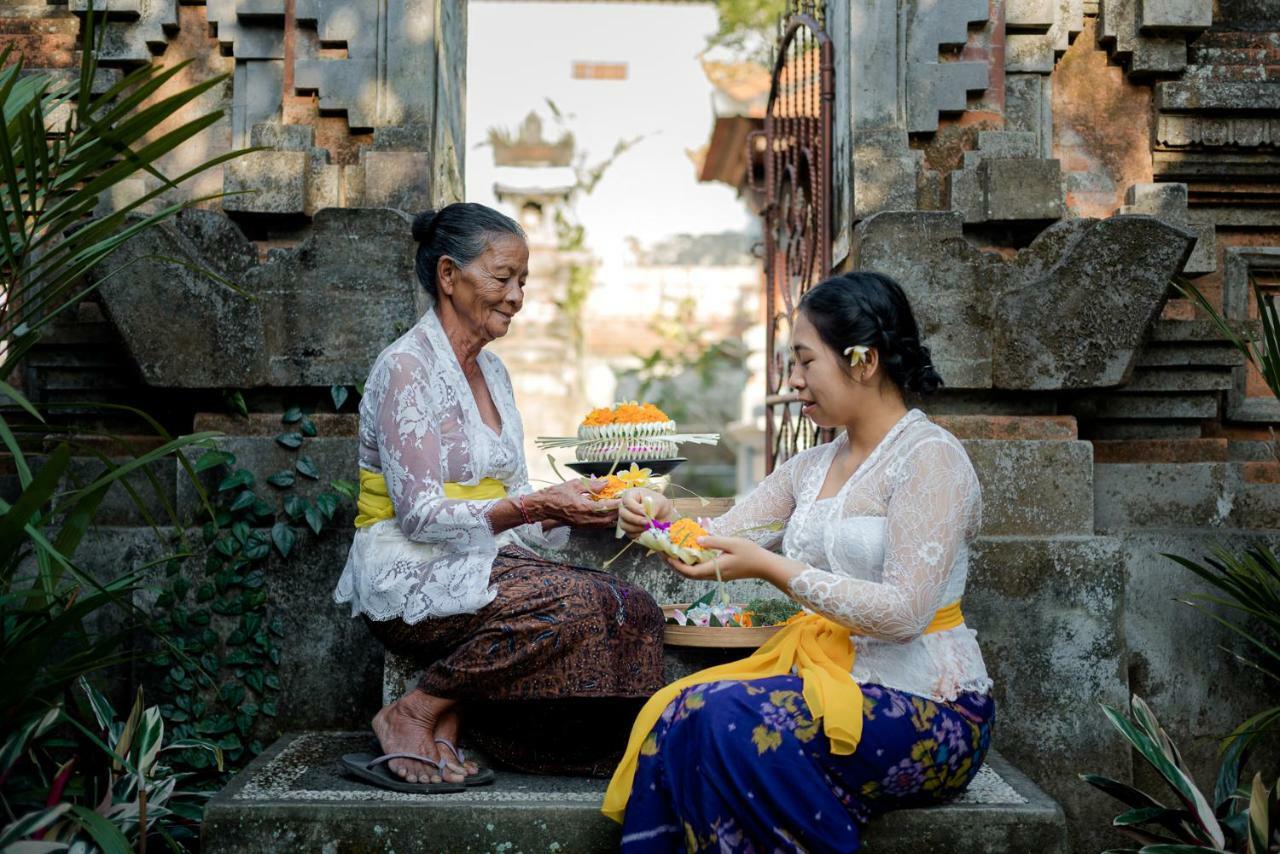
[924,377]
[422,225]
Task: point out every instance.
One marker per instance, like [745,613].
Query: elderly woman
[443,567]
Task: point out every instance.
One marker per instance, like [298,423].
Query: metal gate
[797,211]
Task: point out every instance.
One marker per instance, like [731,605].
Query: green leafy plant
[748,28]
[122,786]
[1262,351]
[62,148]
[53,181]
[1248,586]
[218,676]
[1244,820]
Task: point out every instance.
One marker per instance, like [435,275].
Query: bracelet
[523,511]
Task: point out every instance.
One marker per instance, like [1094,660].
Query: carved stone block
[1160,15]
[1028,54]
[397,179]
[249,29]
[388,76]
[323,311]
[933,86]
[884,172]
[1029,15]
[1168,201]
[137,30]
[1068,312]
[268,182]
[1202,94]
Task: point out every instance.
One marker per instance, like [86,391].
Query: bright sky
[519,54]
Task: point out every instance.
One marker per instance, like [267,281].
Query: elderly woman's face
[489,291]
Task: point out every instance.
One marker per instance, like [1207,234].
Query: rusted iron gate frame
[794,143]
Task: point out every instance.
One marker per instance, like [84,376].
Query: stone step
[1178,380]
[1252,55]
[292,798]
[1237,39]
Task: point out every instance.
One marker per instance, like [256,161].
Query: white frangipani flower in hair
[857,355]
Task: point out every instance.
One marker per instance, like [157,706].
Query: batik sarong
[551,673]
[743,767]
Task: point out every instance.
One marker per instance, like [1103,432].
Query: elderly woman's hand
[570,503]
[639,506]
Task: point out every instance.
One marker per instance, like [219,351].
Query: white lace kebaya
[883,554]
[420,428]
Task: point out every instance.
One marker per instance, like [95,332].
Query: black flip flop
[483,777]
[373,770]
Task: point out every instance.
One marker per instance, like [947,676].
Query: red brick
[41,51]
[1160,451]
[1262,472]
[1010,427]
[37,26]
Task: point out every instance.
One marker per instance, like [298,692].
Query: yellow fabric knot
[819,650]
[374,502]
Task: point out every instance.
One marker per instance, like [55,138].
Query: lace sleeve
[409,452]
[933,508]
[762,514]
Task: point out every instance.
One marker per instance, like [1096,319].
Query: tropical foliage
[64,146]
[1245,820]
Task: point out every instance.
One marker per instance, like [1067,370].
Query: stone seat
[293,798]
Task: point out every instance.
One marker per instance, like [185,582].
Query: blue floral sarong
[742,767]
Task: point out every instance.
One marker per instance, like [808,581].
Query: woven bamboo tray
[715,637]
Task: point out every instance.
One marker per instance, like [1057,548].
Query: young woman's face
[828,393]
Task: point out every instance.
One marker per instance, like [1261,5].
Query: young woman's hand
[739,558]
[570,503]
[639,506]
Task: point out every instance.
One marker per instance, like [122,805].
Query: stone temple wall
[1035,172]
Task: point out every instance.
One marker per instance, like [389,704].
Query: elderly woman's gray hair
[461,231]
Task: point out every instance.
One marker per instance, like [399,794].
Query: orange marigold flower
[685,533]
[611,489]
[627,412]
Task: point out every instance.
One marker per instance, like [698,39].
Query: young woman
[878,697]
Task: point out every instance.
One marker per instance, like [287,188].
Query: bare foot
[447,728]
[409,726]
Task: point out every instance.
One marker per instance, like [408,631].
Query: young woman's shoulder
[929,445]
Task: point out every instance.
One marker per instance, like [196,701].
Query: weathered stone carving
[1237,295]
[249,29]
[1216,123]
[136,30]
[1006,180]
[1068,312]
[387,77]
[1151,37]
[1168,201]
[933,86]
[315,315]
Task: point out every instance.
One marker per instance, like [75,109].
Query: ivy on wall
[220,680]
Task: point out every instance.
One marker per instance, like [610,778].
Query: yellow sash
[374,503]
[821,652]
